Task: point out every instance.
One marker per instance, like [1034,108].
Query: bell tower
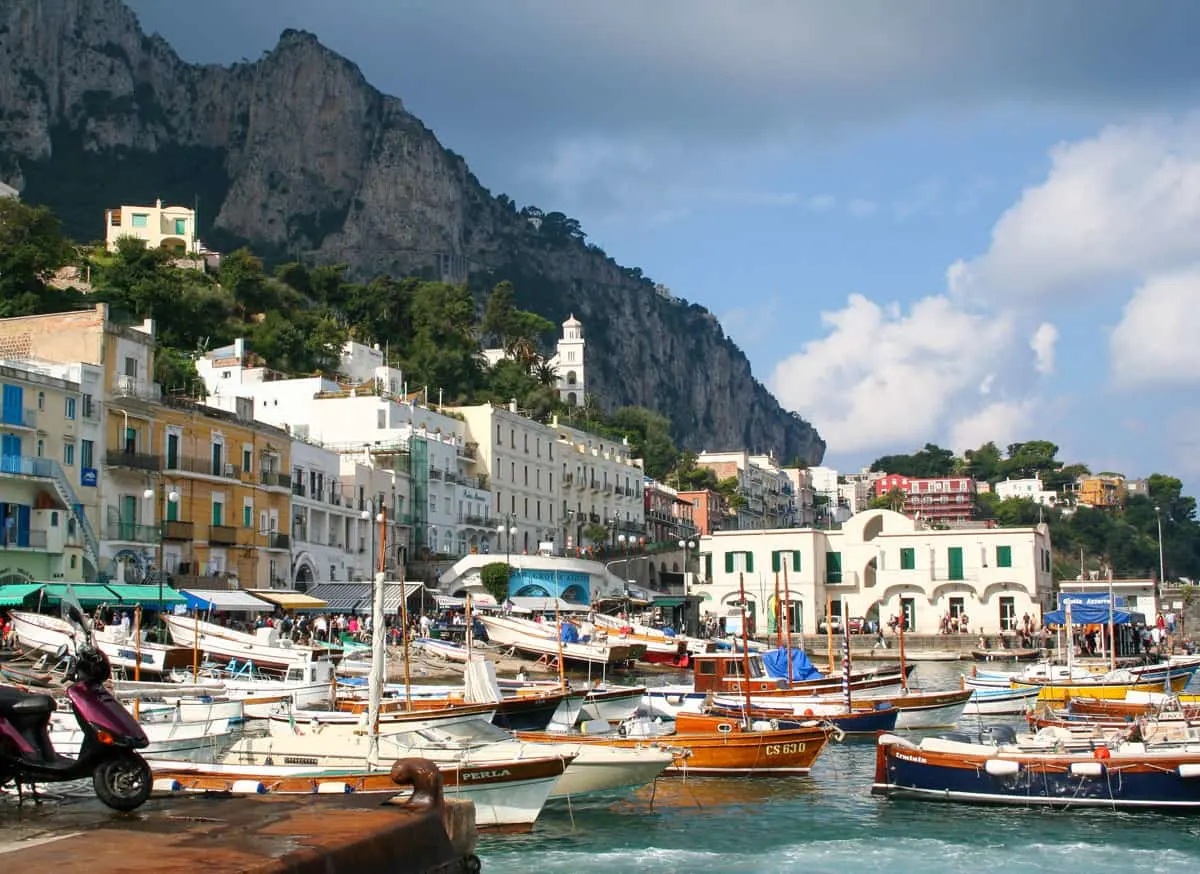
[571,382]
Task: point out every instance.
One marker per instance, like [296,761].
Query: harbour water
[829,822]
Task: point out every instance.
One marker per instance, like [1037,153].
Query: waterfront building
[601,483]
[801,481]
[48,494]
[670,517]
[1027,489]
[944,500]
[881,564]
[710,511]
[765,489]
[574,579]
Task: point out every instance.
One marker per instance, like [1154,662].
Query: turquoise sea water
[829,822]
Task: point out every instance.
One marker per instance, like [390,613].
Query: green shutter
[173,511]
[775,561]
[708,566]
[247,516]
[1003,556]
[217,513]
[796,560]
[833,567]
[729,562]
[908,558]
[749,562]
[955,558]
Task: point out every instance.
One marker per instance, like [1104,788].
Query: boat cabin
[723,672]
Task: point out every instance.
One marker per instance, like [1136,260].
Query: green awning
[669,601]
[87,594]
[15,594]
[148,595]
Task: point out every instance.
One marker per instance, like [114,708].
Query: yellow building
[45,533]
[1100,491]
[200,493]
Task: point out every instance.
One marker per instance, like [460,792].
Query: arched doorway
[304,576]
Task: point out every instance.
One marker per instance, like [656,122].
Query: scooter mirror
[61,653]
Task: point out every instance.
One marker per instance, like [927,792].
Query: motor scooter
[111,736]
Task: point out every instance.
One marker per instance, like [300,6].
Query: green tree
[444,352]
[596,533]
[933,460]
[499,312]
[494,577]
[893,500]
[649,435]
[32,248]
[983,463]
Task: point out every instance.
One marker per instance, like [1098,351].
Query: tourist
[425,625]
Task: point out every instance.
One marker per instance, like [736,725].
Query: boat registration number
[785,749]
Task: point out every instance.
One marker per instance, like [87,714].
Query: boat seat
[18,703]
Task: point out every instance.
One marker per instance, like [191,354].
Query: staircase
[51,469]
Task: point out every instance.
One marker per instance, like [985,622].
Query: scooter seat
[18,703]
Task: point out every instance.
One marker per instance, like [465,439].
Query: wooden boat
[1125,777]
[532,711]
[1062,690]
[934,655]
[997,701]
[47,634]
[508,796]
[661,648]
[915,709]
[860,721]
[28,677]
[1006,655]
[175,739]
[529,637]
[1133,705]
[265,649]
[447,650]
[699,746]
[331,723]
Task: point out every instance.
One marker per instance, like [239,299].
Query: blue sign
[1088,599]
[88,476]
[568,585]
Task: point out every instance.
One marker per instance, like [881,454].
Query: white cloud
[883,378]
[821,203]
[1155,342]
[861,208]
[1003,422]
[1113,209]
[1042,343]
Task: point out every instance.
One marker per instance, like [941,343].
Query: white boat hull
[512,632]
[995,702]
[224,644]
[334,725]
[196,741]
[612,708]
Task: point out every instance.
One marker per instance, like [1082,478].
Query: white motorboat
[531,638]
[992,701]
[286,721]
[185,709]
[175,739]
[593,768]
[265,649]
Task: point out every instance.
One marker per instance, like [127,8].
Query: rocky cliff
[297,154]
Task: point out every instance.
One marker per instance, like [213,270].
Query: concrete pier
[219,834]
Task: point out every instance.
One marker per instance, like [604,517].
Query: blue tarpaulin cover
[1087,615]
[775,661]
[569,633]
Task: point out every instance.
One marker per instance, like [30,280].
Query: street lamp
[1162,575]
[511,532]
[172,498]
[366,516]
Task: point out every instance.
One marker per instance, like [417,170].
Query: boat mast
[787,621]
[1112,636]
[562,677]
[779,619]
[829,631]
[378,645]
[846,667]
[745,646]
[903,669]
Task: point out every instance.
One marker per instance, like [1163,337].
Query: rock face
[299,156]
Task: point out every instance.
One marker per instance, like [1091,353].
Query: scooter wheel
[123,782]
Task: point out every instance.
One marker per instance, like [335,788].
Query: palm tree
[522,350]
[545,374]
[591,407]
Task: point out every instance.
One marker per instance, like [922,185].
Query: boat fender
[774,725]
[334,788]
[167,784]
[1102,753]
[247,787]
[1001,767]
[622,731]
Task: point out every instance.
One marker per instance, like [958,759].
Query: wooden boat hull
[999,701]
[915,709]
[612,704]
[854,722]
[1145,781]
[223,645]
[513,713]
[1061,691]
[507,632]
[508,796]
[1006,655]
[333,723]
[748,754]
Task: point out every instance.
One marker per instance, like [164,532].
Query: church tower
[569,363]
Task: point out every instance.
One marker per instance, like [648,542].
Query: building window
[785,559]
[526,443]
[1003,556]
[247,514]
[180,226]
[381,419]
[140,220]
[41,401]
[739,561]
[1008,613]
[956,607]
[218,512]
[499,439]
[908,613]
[539,511]
[247,459]
[68,454]
[908,558]
[87,453]
[527,474]
[954,559]
[70,411]
[833,567]
[512,437]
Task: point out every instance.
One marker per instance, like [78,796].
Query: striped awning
[229,600]
[16,593]
[357,598]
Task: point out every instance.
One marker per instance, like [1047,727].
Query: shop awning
[87,594]
[231,601]
[670,601]
[288,600]
[448,602]
[526,604]
[15,594]
[146,595]
[358,598]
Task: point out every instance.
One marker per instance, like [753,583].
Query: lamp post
[507,532]
[172,498]
[367,516]
[687,546]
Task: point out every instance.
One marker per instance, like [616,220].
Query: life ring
[1103,753]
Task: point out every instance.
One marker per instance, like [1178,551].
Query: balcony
[300,490]
[135,460]
[131,532]
[34,538]
[173,529]
[479,521]
[434,473]
[568,478]
[222,535]
[271,478]
[136,389]
[276,540]
[469,450]
[203,466]
[19,419]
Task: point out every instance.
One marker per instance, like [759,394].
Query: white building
[601,485]
[880,564]
[1026,489]
[800,480]
[168,227]
[515,456]
[566,362]
[764,486]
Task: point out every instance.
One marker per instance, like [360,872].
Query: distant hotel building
[946,499]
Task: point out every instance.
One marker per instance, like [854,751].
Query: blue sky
[933,221]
